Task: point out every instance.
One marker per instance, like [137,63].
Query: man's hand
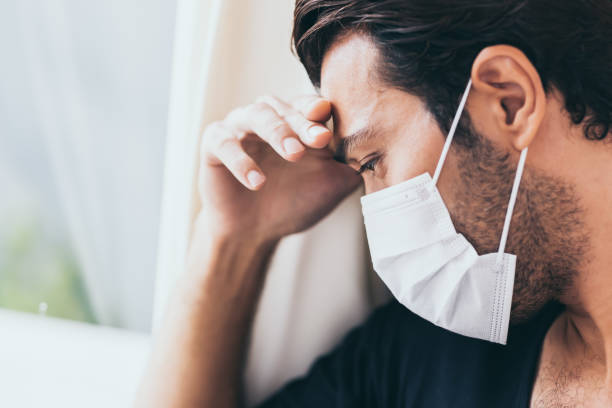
[266,172]
[200,350]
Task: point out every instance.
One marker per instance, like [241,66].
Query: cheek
[413,156]
[372,184]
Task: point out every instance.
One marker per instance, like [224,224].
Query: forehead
[348,80]
[360,100]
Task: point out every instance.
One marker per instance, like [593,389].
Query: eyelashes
[370,165]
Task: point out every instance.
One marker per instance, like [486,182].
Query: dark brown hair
[428,46]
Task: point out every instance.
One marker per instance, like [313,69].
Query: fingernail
[316,131]
[291,145]
[255,178]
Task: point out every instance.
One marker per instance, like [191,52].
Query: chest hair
[559,384]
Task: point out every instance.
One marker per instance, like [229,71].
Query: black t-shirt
[398,360]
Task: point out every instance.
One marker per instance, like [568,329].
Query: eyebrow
[347,145]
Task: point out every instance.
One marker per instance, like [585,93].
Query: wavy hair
[428,46]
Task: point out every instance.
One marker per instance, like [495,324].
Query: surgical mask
[429,267]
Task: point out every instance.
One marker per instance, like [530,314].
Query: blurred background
[102,103]
[83,106]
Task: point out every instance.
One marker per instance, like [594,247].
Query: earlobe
[512,89]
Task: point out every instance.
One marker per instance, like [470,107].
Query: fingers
[282,126]
[311,133]
[265,122]
[221,146]
[313,107]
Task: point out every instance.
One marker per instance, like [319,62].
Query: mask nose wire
[451,133]
[513,194]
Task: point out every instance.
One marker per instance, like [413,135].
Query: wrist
[232,235]
[242,242]
[226,264]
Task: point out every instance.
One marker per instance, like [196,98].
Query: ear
[509,93]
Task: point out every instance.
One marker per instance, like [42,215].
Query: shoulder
[379,363]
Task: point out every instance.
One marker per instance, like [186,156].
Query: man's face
[392,137]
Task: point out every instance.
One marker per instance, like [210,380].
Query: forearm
[199,355]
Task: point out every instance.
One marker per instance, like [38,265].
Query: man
[390,73]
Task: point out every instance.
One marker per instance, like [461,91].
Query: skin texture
[475,183]
[560,230]
[555,222]
[548,237]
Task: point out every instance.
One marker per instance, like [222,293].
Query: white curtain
[319,282]
[93,78]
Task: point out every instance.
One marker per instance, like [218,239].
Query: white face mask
[429,267]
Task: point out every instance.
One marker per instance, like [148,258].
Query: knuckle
[278,130]
[210,134]
[220,150]
[223,144]
[241,164]
[212,129]
[300,123]
[259,108]
[235,113]
[265,98]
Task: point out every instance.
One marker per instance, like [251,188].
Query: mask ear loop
[513,194]
[517,176]
[451,133]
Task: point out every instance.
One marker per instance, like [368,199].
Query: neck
[588,325]
[584,331]
[582,338]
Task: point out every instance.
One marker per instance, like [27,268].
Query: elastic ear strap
[451,133]
[515,187]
